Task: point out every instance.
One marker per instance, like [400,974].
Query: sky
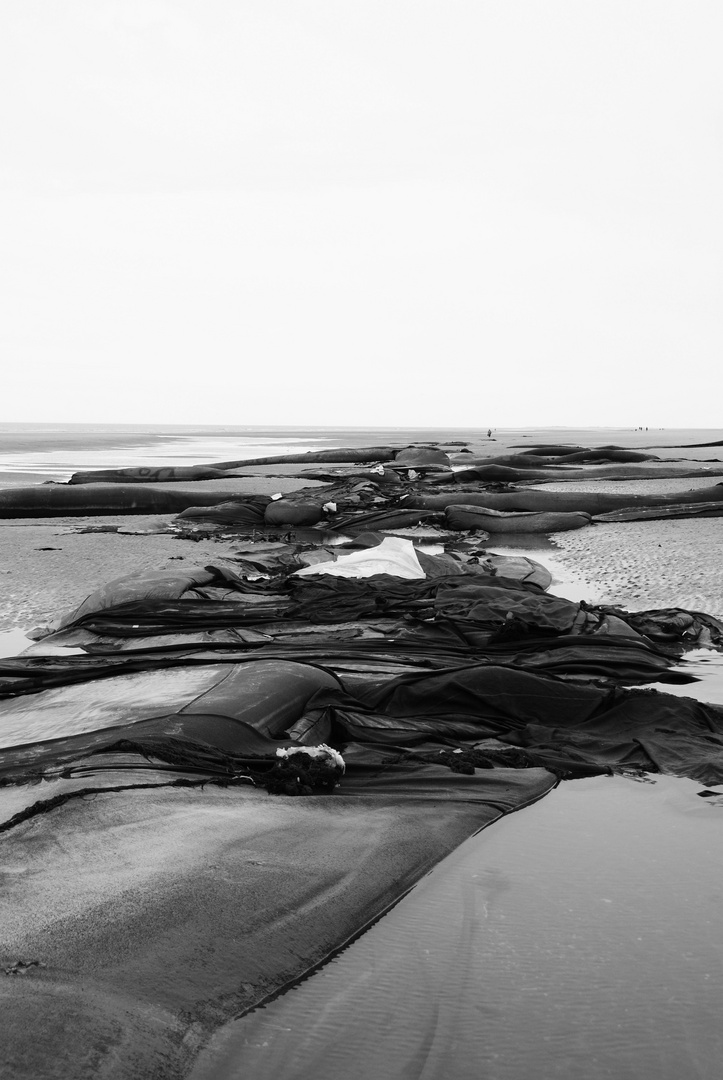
[361,212]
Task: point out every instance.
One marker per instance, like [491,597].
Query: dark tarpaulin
[164,891]
[158,910]
[234,708]
[606,728]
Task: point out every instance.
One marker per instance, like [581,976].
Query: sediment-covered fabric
[652,513]
[154,915]
[264,695]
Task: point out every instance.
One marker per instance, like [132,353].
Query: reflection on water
[535,546]
[706,665]
[579,938]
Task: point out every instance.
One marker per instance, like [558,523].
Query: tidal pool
[580,937]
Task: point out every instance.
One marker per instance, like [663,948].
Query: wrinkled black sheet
[241,709]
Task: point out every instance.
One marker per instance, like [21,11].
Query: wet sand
[46,570]
[643,564]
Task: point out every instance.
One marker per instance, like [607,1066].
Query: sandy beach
[182,858]
[48,566]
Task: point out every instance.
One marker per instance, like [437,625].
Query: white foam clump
[320,751]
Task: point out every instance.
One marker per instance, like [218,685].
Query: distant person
[489,433]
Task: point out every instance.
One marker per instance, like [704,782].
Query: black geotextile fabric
[605,728]
[610,659]
[467,605]
[217,717]
[322,598]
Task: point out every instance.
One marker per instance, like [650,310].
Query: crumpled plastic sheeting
[606,728]
[394,556]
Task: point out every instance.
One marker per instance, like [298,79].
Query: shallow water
[13,642]
[565,581]
[35,464]
[581,937]
[706,665]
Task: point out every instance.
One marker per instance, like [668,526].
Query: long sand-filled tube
[144,475]
[597,502]
[652,513]
[497,521]
[61,499]
[164,474]
[530,459]
[662,471]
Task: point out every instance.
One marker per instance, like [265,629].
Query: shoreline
[50,567]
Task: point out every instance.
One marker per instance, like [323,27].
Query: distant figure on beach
[489,433]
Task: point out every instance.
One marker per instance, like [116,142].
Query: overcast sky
[437,212]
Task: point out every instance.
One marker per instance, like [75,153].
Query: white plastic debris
[320,751]
[393,556]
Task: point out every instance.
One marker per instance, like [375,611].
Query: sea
[35,453]
[578,939]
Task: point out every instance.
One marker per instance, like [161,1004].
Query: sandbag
[285,512]
[592,502]
[143,475]
[49,500]
[496,521]
[609,454]
[509,475]
[651,513]
[421,455]
[228,513]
